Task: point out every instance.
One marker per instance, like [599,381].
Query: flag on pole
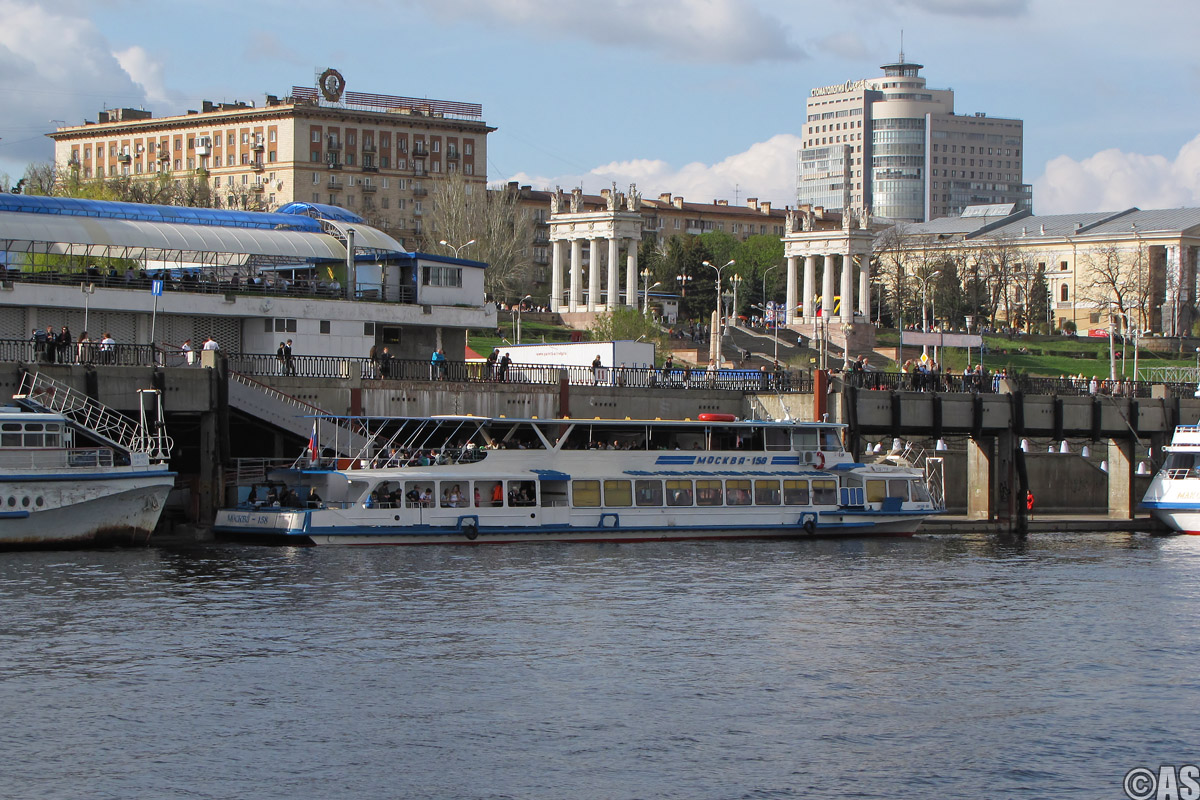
[312,444]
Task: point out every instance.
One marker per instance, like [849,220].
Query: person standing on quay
[185,349]
[289,364]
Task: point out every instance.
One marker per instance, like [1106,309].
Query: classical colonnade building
[619,226]
[844,259]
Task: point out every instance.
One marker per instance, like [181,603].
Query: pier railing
[743,380]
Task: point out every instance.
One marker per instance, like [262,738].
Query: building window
[315,155]
[368,329]
[271,135]
[271,156]
[442,276]
[324,326]
[468,148]
[1062,265]
[1064,293]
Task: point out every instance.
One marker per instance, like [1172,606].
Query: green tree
[627,324]
[685,255]
[1039,301]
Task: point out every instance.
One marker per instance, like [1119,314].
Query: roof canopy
[111,209]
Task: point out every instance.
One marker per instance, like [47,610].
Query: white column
[593,274]
[614,275]
[792,290]
[864,286]
[827,289]
[556,276]
[576,274]
[631,272]
[810,291]
[847,288]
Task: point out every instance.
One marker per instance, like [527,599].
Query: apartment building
[378,155]
[897,147]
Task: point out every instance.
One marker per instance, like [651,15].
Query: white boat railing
[56,458]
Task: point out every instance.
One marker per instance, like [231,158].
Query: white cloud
[972,8]
[56,67]
[145,72]
[765,170]
[731,31]
[1111,180]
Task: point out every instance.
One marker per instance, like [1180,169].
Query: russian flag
[312,444]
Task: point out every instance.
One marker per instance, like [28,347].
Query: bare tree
[502,231]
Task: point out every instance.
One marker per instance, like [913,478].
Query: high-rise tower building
[896,146]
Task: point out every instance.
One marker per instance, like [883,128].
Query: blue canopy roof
[321,210]
[146,212]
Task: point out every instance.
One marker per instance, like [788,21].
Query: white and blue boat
[1174,494]
[462,479]
[57,490]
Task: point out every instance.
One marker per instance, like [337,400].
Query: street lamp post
[764,282]
[924,295]
[646,275]
[736,280]
[521,302]
[460,247]
[88,290]
[717,328]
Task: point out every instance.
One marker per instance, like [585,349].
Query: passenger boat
[474,480]
[59,491]
[1174,493]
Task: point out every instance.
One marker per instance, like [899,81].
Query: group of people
[58,347]
[496,367]
[287,364]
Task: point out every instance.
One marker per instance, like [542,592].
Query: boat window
[452,495]
[53,440]
[491,493]
[617,493]
[920,492]
[33,439]
[898,488]
[708,493]
[766,493]
[418,494]
[52,427]
[795,492]
[830,440]
[10,426]
[737,493]
[10,440]
[824,492]
[554,493]
[586,494]
[679,493]
[876,491]
[777,439]
[804,439]
[649,493]
[522,493]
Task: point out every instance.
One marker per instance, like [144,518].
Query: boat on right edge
[1174,494]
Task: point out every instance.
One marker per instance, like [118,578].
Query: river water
[947,667]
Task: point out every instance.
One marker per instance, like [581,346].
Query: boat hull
[1181,519]
[303,528]
[81,510]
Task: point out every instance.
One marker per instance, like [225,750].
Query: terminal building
[313,273]
[376,155]
[896,147]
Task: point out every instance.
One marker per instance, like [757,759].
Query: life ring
[470,529]
[809,524]
[819,460]
[706,417]
[1029,501]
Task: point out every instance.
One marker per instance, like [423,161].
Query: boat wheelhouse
[471,479]
[1174,494]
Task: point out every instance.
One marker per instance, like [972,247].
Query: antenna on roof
[902,45]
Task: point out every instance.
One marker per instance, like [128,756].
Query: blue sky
[701,98]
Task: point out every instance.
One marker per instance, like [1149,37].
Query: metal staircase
[293,414]
[41,393]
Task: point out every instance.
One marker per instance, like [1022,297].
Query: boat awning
[93,236]
[550,475]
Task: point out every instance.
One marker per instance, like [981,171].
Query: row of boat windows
[31,434]
[24,501]
[620,493]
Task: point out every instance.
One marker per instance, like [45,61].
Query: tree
[1039,302]
[685,255]
[1114,277]
[502,230]
[627,324]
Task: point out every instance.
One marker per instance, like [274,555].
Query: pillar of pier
[1121,500]
[979,478]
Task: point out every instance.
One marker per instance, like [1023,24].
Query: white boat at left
[59,491]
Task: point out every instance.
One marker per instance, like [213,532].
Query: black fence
[397,369]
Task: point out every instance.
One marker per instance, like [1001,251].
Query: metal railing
[1029,384]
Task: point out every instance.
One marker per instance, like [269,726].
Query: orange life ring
[1029,501]
[819,461]
[717,417]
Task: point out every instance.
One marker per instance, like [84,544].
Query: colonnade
[838,272]
[575,299]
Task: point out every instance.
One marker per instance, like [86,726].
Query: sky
[704,99]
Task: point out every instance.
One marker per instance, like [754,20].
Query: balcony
[258,145]
[125,158]
[164,155]
[334,184]
[419,151]
[452,155]
[370,168]
[368,148]
[257,187]
[257,166]
[419,192]
[368,187]
[333,144]
[333,164]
